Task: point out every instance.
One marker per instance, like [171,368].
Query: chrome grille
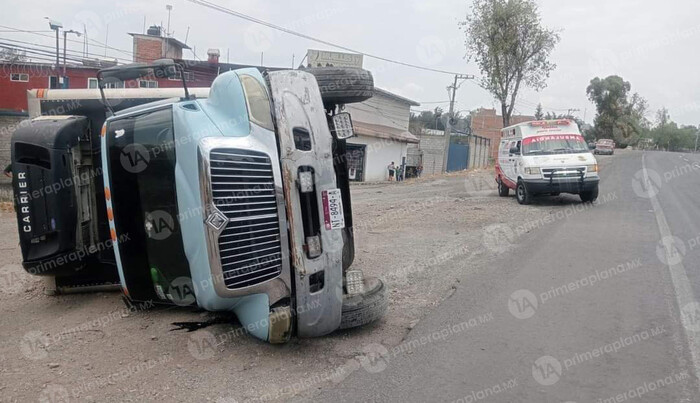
[243,189]
[569,172]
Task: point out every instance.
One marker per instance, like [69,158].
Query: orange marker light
[108,194]
[104,130]
[110,214]
[114,235]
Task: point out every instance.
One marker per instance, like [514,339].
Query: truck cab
[237,201]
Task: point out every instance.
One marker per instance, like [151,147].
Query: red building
[18,77]
[486,123]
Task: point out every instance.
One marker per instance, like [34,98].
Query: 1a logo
[373,360]
[134,158]
[522,304]
[181,291]
[54,394]
[690,316]
[159,225]
[33,345]
[546,370]
[202,345]
[498,237]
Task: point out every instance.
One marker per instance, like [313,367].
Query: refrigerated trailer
[229,198]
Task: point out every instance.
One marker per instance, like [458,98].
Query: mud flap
[298,108]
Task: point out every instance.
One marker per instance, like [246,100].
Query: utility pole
[697,134]
[65,45]
[55,25]
[169,8]
[459,78]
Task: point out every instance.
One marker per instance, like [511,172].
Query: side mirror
[342,126]
[514,150]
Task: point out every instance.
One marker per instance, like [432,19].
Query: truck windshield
[554,144]
[142,184]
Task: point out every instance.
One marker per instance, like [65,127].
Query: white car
[546,157]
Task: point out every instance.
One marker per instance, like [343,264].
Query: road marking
[679,277]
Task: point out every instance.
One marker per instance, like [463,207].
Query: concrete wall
[433,149]
[479,153]
[379,153]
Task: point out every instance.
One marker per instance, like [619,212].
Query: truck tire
[502,188]
[343,85]
[590,196]
[365,308]
[521,194]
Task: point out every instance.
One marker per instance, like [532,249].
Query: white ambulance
[546,157]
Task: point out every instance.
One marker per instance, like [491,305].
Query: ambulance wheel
[365,308]
[343,85]
[502,188]
[521,194]
[589,196]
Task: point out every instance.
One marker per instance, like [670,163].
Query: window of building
[53,82]
[116,84]
[189,76]
[148,84]
[92,83]
[20,77]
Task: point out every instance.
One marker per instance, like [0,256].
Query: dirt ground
[419,236]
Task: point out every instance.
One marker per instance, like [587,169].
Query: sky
[651,44]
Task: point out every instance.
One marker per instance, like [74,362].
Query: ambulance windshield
[554,144]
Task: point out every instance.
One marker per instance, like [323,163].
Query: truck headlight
[532,170]
[354,282]
[592,168]
[313,246]
[306,181]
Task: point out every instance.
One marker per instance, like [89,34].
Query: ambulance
[546,157]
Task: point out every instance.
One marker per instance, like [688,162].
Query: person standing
[391,168]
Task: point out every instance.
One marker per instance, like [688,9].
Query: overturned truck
[229,198]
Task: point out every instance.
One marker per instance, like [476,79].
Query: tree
[539,115]
[13,55]
[436,120]
[618,116]
[511,47]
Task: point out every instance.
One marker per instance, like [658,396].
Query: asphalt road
[585,304]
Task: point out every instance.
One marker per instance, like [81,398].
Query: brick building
[153,45]
[486,123]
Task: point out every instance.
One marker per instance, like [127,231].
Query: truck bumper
[318,280]
[569,185]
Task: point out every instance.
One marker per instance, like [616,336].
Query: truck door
[505,159]
[515,160]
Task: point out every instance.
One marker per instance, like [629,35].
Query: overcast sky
[652,44]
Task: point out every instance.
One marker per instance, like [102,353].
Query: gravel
[420,236]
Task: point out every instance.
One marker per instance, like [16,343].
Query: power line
[39,52]
[435,102]
[75,53]
[246,17]
[99,44]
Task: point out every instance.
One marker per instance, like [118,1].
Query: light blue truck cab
[235,203]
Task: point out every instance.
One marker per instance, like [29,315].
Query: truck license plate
[333,209]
